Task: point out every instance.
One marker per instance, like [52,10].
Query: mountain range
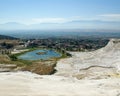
[75,24]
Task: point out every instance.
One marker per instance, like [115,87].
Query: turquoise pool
[33,56]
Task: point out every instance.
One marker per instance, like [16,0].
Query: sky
[60,14]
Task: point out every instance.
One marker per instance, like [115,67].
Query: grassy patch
[4,59]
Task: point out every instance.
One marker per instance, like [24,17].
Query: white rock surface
[28,84]
[18,51]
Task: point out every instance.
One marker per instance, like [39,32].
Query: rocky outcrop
[101,63]
[7,67]
[42,67]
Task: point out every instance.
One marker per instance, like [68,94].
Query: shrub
[13,57]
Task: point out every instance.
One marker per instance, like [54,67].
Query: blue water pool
[33,56]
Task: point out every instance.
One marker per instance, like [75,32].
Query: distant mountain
[7,37]
[12,25]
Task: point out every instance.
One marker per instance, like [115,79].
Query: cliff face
[102,63]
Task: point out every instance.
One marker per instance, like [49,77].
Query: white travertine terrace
[95,63]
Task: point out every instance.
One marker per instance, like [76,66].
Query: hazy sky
[101,14]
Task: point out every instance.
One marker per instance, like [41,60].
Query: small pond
[35,55]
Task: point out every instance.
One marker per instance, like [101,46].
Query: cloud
[109,17]
[49,20]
